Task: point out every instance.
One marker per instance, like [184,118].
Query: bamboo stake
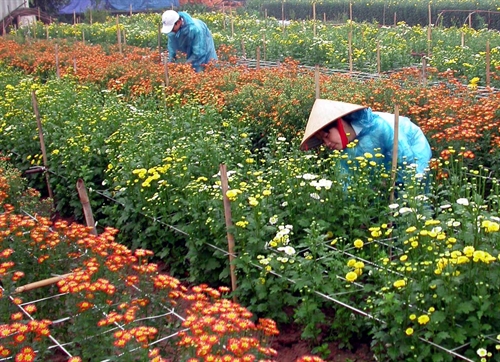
[42,142]
[41,283]
[227,215]
[316,81]
[74,65]
[394,168]
[395,22]
[487,61]
[130,9]
[462,43]
[47,31]
[87,209]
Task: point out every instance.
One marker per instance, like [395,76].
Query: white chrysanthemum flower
[314,196]
[444,207]
[463,201]
[308,176]
[393,206]
[322,183]
[288,250]
[405,210]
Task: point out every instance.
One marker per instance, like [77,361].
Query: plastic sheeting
[81,6]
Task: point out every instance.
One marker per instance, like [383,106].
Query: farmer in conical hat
[190,36]
[336,124]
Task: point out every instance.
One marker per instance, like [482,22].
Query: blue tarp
[81,6]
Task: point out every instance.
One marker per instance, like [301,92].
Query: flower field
[418,274]
[364,47]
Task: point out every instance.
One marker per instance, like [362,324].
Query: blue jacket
[194,39]
[376,131]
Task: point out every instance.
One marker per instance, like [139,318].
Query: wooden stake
[283,14]
[41,283]
[243,52]
[349,42]
[429,32]
[130,9]
[118,34]
[316,81]
[394,168]
[264,46]
[165,69]
[159,40]
[395,22]
[379,66]
[487,61]
[257,65]
[87,209]
[229,223]
[58,73]
[424,71]
[314,19]
[42,142]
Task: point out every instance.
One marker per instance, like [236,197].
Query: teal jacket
[195,40]
[376,132]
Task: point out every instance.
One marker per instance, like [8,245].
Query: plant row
[445,13]
[362,47]
[111,303]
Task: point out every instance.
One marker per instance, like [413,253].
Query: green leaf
[465,307]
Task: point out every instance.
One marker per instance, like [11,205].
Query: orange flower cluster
[215,328]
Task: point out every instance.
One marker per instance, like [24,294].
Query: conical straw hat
[323,113]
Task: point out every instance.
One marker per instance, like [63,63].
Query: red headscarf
[343,136]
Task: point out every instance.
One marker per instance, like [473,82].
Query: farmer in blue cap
[336,124]
[190,36]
